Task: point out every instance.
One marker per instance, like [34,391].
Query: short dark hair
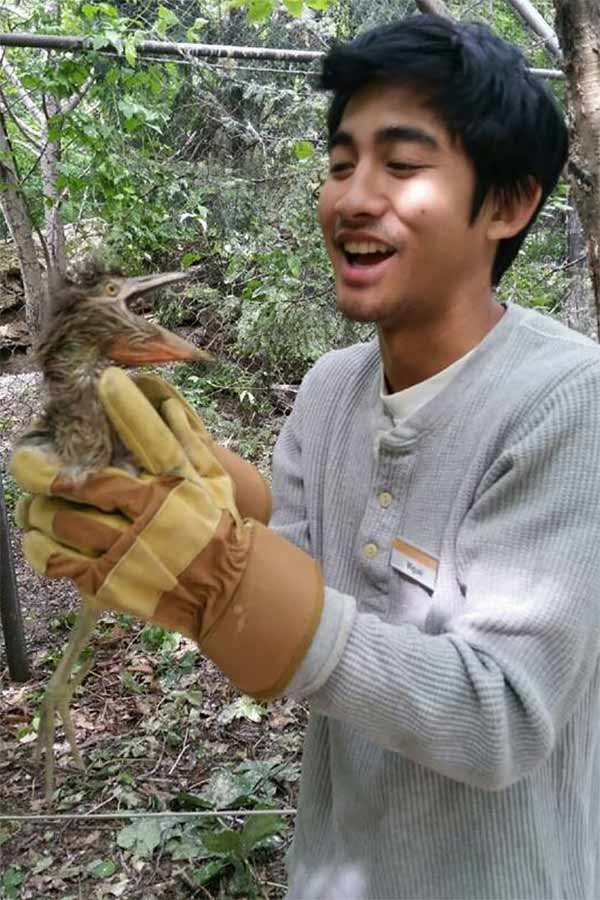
[506,119]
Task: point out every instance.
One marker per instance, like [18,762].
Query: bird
[89,325]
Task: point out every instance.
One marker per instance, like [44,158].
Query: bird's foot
[57,699]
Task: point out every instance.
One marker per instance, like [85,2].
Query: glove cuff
[265,631]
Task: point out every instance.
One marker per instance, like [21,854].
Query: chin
[366,309]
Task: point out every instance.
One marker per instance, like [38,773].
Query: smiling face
[395,213]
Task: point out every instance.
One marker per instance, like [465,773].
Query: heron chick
[89,325]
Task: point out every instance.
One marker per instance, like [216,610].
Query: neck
[416,350]
[80,428]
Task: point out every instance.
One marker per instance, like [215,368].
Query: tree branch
[434,8]
[538,24]
[27,133]
[21,92]
[73,102]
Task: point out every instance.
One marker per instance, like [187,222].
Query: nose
[361,196]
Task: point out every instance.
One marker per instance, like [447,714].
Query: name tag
[415,563]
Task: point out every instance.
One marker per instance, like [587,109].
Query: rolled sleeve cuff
[328,644]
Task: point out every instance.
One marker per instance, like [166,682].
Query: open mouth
[367,259]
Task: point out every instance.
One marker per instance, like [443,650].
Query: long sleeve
[512,637]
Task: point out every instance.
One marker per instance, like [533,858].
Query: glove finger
[115,490]
[201,455]
[34,468]
[195,445]
[86,530]
[51,559]
[140,426]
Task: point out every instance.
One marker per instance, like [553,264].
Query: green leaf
[115,39]
[225,788]
[102,868]
[155,637]
[167,15]
[242,708]
[303,150]
[143,837]
[227,841]
[188,259]
[207,872]
[294,7]
[257,828]
[187,801]
[131,52]
[12,879]
[260,10]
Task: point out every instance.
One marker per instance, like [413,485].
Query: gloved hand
[171,547]
[252,493]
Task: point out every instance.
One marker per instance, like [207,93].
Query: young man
[445,478]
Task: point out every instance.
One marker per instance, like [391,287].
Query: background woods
[211,165]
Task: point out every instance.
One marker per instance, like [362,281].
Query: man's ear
[511,215]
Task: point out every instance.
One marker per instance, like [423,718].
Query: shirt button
[370,551]
[385,499]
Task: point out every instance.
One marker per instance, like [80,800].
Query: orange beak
[164,347]
[161,345]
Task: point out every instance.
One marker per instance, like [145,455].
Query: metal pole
[10,609]
[163,48]
[166,49]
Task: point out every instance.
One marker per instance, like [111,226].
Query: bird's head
[90,323]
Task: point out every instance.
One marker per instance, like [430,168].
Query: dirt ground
[160,731]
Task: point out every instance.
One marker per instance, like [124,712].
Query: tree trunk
[578,27]
[19,224]
[55,231]
[579,311]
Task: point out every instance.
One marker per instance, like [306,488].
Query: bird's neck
[81,430]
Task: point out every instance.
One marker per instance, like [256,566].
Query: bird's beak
[135,287]
[160,345]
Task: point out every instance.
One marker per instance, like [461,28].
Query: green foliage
[12,494]
[214,852]
[537,277]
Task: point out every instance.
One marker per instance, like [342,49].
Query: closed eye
[339,168]
[405,167]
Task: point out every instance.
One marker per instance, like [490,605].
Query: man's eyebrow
[391,134]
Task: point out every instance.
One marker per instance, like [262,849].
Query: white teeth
[365,247]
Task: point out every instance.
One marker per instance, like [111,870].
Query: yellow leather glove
[252,493]
[170,546]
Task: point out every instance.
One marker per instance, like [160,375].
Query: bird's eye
[112,290]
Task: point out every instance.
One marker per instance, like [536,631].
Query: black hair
[506,120]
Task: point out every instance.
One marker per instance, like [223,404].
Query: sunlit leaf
[259,10]
[142,836]
[294,7]
[242,708]
[102,868]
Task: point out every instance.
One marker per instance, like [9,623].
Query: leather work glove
[170,546]
[252,493]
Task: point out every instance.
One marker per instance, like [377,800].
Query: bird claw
[57,699]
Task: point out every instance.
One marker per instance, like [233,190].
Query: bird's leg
[59,692]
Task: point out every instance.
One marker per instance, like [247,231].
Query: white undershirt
[402,404]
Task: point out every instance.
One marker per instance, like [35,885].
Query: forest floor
[170,748]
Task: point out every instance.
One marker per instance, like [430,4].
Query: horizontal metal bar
[168,49]
[164,48]
[200,814]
